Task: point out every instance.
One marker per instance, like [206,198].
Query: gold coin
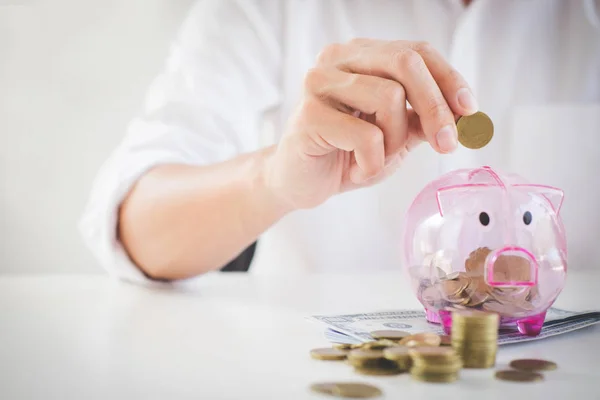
[453,287]
[505,309]
[475,131]
[356,390]
[325,387]
[519,376]
[389,334]
[436,378]
[445,340]
[475,317]
[342,346]
[379,344]
[452,276]
[328,353]
[421,339]
[432,352]
[373,363]
[378,371]
[364,355]
[396,353]
[533,365]
[477,298]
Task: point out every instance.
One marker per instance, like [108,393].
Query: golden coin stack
[474,345]
[475,337]
[435,364]
[400,355]
[372,362]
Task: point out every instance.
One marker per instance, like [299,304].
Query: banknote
[355,328]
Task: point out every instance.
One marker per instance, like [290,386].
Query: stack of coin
[400,355]
[475,337]
[372,362]
[435,364]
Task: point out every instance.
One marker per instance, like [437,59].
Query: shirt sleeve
[221,75]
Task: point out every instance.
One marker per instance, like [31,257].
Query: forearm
[180,221]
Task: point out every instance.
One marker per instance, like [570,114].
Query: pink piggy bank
[476,238]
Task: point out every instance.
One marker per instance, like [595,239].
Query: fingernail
[446,139]
[467,100]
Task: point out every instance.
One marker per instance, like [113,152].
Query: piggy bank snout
[511,266]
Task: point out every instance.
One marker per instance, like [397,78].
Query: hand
[352,127]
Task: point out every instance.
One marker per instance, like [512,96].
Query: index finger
[407,67]
[453,85]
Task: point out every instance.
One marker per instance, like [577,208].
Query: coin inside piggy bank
[481,239]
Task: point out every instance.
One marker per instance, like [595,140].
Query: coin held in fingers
[475,131]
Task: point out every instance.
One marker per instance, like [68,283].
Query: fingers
[331,129]
[408,68]
[454,87]
[435,90]
[383,100]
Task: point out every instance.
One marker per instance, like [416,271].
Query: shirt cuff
[98,224]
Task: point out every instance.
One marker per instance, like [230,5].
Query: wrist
[266,192]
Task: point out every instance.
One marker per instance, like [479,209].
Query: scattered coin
[421,339]
[533,365]
[389,334]
[475,131]
[519,376]
[327,353]
[346,389]
[364,355]
[379,344]
[324,388]
[396,353]
[400,356]
[445,340]
[356,390]
[342,346]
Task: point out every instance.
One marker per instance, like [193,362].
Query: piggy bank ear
[451,196]
[553,195]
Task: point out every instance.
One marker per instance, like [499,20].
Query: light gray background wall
[72,73]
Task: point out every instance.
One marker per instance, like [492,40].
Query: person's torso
[534,67]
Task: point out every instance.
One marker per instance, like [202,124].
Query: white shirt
[237,66]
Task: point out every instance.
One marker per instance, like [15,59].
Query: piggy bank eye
[527,218]
[484,218]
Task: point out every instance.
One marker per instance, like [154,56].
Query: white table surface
[238,336]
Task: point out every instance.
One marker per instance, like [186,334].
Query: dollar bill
[355,328]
